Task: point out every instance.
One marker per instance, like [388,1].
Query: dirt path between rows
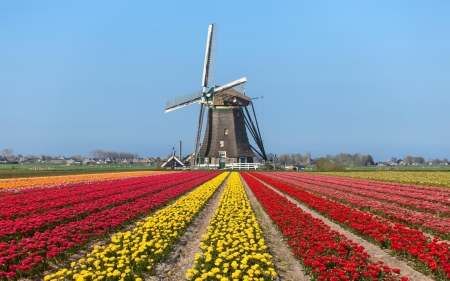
[286,265]
[181,258]
[174,267]
[374,251]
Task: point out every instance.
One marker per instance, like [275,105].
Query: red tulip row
[431,256]
[54,197]
[427,193]
[430,222]
[324,253]
[115,195]
[375,192]
[28,256]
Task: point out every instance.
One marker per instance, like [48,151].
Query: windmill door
[223,155]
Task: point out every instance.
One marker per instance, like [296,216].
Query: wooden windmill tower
[225,139]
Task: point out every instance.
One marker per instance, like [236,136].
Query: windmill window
[225,132]
[222,143]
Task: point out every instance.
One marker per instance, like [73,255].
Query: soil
[286,265]
[374,251]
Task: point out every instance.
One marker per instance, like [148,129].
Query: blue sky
[336,76]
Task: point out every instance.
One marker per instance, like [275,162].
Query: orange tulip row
[58,180]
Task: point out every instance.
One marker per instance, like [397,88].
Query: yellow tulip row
[430,178]
[233,248]
[55,180]
[132,253]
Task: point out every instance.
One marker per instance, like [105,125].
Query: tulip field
[125,226]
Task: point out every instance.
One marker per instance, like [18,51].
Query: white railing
[232,166]
[243,166]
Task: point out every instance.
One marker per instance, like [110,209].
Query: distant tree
[418,160]
[407,160]
[325,165]
[393,160]
[445,160]
[102,154]
[267,166]
[7,153]
[435,161]
[369,160]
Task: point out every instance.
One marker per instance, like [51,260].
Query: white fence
[242,166]
[232,166]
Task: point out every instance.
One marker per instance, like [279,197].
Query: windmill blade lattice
[178,102]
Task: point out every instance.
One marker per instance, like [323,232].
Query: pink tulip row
[431,222]
[381,193]
[427,193]
[376,193]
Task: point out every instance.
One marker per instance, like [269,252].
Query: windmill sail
[230,85]
[182,101]
[210,56]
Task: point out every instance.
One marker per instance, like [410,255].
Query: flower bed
[406,197]
[324,253]
[29,256]
[132,253]
[415,219]
[41,199]
[72,207]
[412,177]
[9,184]
[427,193]
[429,256]
[233,247]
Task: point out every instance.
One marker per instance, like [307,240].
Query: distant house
[31,160]
[173,162]
[144,161]
[87,161]
[383,163]
[310,161]
[108,160]
[295,167]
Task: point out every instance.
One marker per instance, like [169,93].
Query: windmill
[225,139]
